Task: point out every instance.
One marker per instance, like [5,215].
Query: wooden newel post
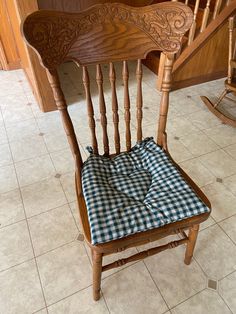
[164,105]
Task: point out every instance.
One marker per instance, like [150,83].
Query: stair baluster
[205,16]
[217,8]
[193,27]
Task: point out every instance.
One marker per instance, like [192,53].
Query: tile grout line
[158,289]
[173,307]
[224,301]
[32,247]
[222,229]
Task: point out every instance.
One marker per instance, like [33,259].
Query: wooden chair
[105,34]
[230,82]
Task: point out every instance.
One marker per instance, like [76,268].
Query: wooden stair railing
[209,30]
[209,17]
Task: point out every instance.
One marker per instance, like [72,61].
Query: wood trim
[198,79]
[3,58]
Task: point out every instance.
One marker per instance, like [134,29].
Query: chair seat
[134,192]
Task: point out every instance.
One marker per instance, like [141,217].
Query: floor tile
[3,135]
[64,271]
[199,144]
[35,169]
[207,223]
[43,311]
[230,183]
[177,150]
[17,100]
[222,201]
[231,150]
[68,183]
[15,245]
[215,252]
[197,172]
[227,289]
[219,163]
[75,213]
[205,302]
[17,113]
[50,122]
[178,126]
[8,179]
[11,208]
[28,148]
[11,89]
[223,135]
[6,158]
[63,161]
[203,119]
[81,301]
[229,226]
[20,130]
[132,290]
[56,140]
[184,104]
[170,273]
[20,290]
[42,196]
[52,229]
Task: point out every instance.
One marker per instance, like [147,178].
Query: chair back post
[53,79]
[164,105]
[231,28]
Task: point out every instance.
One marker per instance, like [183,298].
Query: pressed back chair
[230,82]
[105,34]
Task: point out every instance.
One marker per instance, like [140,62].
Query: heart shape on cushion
[135,185]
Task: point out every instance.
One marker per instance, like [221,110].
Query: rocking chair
[230,83]
[130,198]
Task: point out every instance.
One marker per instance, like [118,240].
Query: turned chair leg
[193,232]
[224,93]
[97,273]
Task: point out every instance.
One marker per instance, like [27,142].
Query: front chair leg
[193,232]
[97,273]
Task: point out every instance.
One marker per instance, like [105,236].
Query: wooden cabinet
[9,55]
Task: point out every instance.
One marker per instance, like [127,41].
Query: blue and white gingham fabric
[134,192]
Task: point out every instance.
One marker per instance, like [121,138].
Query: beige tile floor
[45,266]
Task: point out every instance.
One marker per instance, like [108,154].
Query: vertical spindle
[231,27]
[125,75]
[139,100]
[102,107]
[90,110]
[112,77]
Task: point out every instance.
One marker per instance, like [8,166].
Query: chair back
[108,33]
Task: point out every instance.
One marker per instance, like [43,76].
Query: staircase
[204,53]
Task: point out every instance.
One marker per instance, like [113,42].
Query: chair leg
[97,273]
[193,232]
[224,93]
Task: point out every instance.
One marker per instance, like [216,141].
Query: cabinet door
[9,56]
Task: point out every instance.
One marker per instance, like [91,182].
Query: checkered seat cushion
[134,192]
